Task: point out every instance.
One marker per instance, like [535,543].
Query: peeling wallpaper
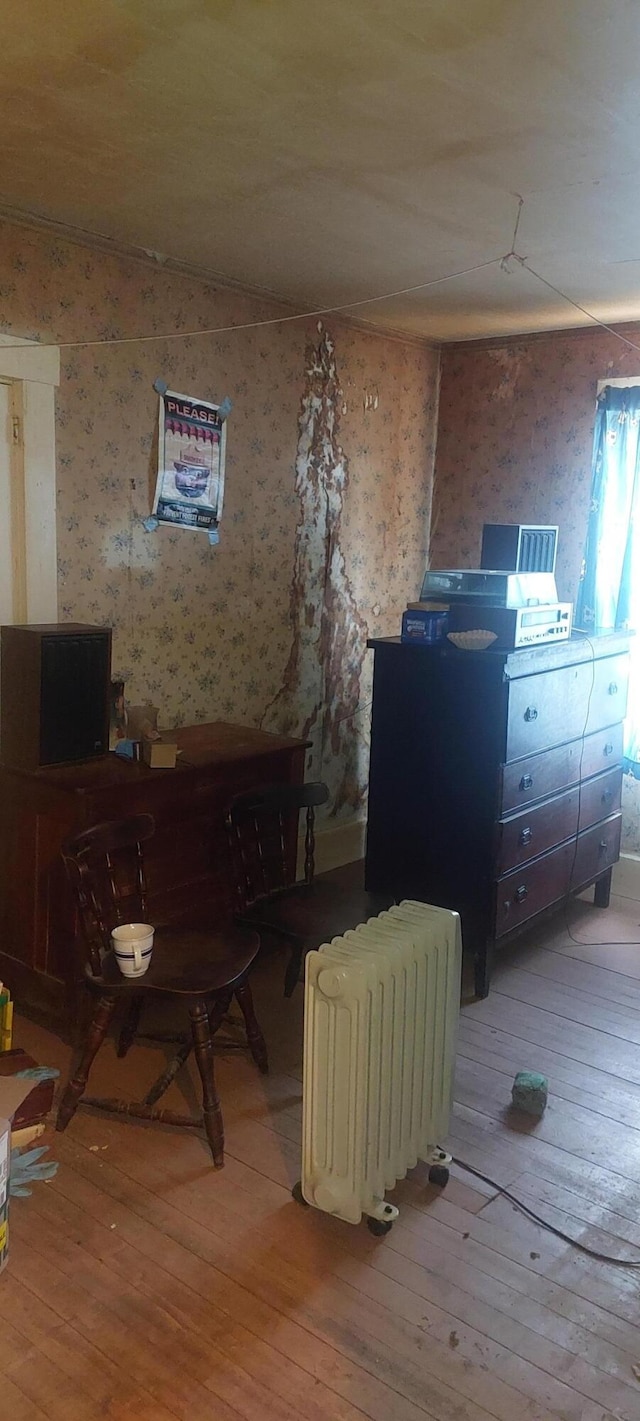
[515,435]
[327,501]
[322,677]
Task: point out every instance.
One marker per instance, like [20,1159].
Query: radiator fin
[381,1012]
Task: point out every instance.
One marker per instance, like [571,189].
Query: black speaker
[518,547]
[54,694]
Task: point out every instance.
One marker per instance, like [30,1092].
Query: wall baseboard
[626,877]
[336,844]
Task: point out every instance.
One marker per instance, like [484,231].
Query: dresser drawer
[601,751]
[526,891]
[600,797]
[547,709]
[597,850]
[533,778]
[608,695]
[526,835]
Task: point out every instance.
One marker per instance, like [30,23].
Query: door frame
[34,374]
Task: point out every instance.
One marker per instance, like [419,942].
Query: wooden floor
[143,1285]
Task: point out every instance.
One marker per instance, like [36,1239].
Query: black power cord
[544,1223]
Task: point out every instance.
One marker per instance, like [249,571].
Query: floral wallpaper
[515,436]
[208,633]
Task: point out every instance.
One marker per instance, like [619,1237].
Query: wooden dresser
[188,856]
[495,779]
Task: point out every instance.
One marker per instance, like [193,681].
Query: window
[609,595]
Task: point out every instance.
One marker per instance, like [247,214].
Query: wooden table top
[216,742]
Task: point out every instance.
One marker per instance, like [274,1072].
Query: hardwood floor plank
[82,1363]
[137,1253]
[186,1306]
[539,1192]
[572,1003]
[596,980]
[162,1232]
[575,1129]
[44,1384]
[289,1288]
[599,1091]
[544,1027]
[144,1344]
[479,1141]
[534,1378]
[15,1406]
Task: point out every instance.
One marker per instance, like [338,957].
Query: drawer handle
[606,794]
[526,836]
[613,688]
[521,893]
[603,845]
[531,713]
[608,749]
[526,782]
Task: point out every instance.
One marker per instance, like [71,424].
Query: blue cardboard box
[420,625]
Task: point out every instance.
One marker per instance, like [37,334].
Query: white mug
[133,945]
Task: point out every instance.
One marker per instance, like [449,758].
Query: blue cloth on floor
[38,1073]
[26,1168]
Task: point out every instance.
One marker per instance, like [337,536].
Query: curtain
[609,594]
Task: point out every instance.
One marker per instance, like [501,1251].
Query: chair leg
[218,1011]
[292,974]
[257,1043]
[77,1084]
[211,1112]
[170,1072]
[130,1028]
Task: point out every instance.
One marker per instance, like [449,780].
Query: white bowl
[472,641]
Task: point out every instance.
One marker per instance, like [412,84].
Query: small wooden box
[159,754]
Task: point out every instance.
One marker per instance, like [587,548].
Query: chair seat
[188,960]
[313,913]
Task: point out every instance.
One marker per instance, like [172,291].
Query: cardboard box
[36,1102]
[159,754]
[12,1094]
[5,1155]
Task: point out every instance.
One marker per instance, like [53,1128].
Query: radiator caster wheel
[296,1193]
[439,1174]
[379,1226]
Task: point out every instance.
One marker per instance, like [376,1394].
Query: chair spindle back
[263,831]
[106,871]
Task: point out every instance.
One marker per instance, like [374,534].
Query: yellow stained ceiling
[335,150]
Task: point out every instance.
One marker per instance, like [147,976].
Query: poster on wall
[191,457]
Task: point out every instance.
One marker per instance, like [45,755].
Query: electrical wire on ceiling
[347,306]
[269,321]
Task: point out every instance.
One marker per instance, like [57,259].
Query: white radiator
[381,1013]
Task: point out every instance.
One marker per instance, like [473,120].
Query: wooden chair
[191,963]
[263,828]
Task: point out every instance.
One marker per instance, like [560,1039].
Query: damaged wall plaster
[322,680]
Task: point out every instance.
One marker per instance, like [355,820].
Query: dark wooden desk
[188,858]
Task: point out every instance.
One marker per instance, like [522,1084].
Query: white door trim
[35,373]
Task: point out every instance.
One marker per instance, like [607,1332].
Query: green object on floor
[530,1092]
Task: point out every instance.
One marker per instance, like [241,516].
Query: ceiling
[332,151]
